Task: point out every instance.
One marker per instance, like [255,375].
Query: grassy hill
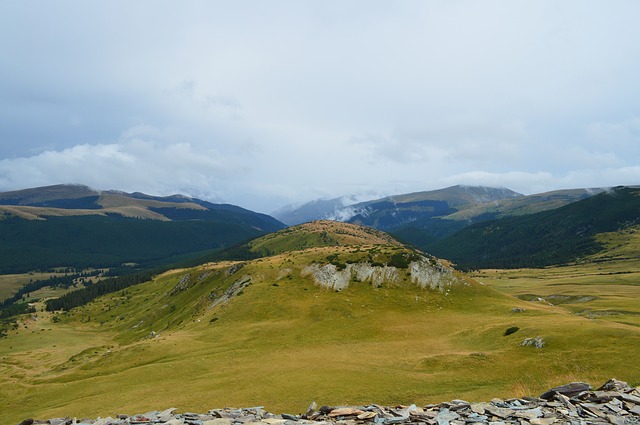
[395,211]
[75,226]
[525,205]
[426,231]
[284,330]
[549,237]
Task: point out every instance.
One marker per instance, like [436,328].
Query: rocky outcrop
[537,342]
[572,404]
[183,284]
[425,273]
[235,289]
[329,276]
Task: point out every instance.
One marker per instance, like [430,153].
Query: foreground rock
[575,403]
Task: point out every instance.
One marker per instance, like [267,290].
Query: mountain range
[425,218]
[79,227]
[456,203]
[76,226]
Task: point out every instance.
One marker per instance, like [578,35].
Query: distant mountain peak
[443,200]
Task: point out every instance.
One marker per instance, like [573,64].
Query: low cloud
[625,133]
[450,139]
[131,165]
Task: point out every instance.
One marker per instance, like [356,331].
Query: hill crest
[320,233]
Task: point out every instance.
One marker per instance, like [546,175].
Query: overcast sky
[265,103]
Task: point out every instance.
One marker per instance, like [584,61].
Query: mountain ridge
[77,199]
[341,210]
[79,227]
[554,236]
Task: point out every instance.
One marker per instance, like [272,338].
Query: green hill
[331,312]
[550,237]
[395,211]
[74,226]
[427,230]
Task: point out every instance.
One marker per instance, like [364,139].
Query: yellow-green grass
[49,292]
[11,283]
[284,342]
[604,286]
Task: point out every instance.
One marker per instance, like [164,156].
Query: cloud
[541,181]
[263,104]
[621,134]
[133,164]
[454,140]
[526,183]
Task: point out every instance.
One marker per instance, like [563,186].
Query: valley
[265,331]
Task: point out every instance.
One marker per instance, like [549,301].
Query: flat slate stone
[569,390]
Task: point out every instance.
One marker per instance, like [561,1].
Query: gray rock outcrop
[425,273]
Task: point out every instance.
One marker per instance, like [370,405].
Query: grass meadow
[282,342]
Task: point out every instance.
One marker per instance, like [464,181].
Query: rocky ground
[576,403]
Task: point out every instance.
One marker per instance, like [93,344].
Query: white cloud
[264,103]
[621,134]
[131,165]
[523,182]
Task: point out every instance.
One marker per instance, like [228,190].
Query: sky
[266,103]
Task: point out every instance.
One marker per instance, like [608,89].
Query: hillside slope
[75,226]
[394,211]
[549,237]
[344,316]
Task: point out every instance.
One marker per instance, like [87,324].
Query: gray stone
[311,409]
[615,385]
[630,398]
[537,342]
[479,408]
[106,421]
[569,390]
[616,420]
[166,415]
[529,413]
[218,421]
[367,415]
[446,416]
[500,412]
[476,418]
[543,421]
